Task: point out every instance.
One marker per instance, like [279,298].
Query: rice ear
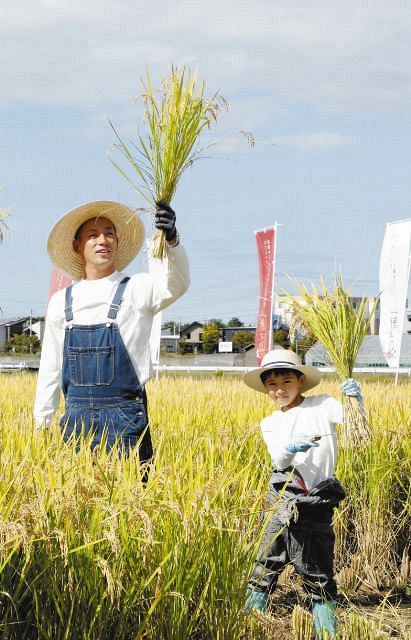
[331,318]
[175,116]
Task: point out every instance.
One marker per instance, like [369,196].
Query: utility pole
[30,329]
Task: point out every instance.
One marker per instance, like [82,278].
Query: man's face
[285,389]
[97,243]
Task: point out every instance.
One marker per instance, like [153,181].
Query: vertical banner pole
[273,286]
[408,279]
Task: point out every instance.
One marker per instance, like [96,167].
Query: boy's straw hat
[282,359]
[129,228]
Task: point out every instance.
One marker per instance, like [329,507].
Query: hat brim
[312,377]
[129,228]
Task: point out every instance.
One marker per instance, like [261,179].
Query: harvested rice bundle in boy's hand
[175,115]
[331,318]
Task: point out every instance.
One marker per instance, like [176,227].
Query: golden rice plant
[175,116]
[302,624]
[87,552]
[404,577]
[329,315]
[357,627]
[373,524]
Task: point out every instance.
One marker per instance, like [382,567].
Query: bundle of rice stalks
[175,116]
[302,623]
[359,628]
[331,318]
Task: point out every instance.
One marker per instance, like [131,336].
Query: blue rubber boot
[325,619]
[256,601]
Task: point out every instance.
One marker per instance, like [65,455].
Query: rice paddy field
[87,551]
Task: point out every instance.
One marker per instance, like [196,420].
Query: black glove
[165,219]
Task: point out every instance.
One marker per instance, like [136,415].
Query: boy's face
[285,389]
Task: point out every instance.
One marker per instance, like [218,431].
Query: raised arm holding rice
[96,343]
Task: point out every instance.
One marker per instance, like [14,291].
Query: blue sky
[324,86]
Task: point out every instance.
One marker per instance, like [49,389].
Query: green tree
[182,346]
[302,345]
[211,337]
[173,326]
[244,338]
[303,338]
[217,321]
[23,343]
[235,322]
[282,338]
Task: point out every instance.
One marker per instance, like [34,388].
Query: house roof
[240,328]
[10,321]
[192,325]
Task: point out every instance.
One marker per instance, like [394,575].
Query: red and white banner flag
[266,256]
[58,281]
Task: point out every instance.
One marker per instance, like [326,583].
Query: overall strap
[118,298]
[68,309]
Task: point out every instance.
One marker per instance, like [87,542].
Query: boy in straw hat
[303,492]
[96,342]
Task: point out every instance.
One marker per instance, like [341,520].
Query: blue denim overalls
[101,388]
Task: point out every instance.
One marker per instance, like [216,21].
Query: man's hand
[300,446]
[165,219]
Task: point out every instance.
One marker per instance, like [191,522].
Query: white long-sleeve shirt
[144,296]
[315,416]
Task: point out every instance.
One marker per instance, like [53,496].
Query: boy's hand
[352,388]
[300,446]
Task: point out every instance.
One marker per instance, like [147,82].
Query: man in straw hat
[303,492]
[96,342]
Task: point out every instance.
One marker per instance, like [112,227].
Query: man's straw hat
[129,228]
[282,359]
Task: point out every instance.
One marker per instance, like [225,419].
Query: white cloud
[90,53]
[313,141]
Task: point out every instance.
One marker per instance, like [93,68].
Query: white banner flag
[394,276]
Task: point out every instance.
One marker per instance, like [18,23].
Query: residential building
[228,333]
[10,327]
[407,321]
[37,328]
[375,320]
[169,342]
[192,336]
[370,354]
[283,312]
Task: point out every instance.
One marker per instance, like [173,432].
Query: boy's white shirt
[144,296]
[316,415]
